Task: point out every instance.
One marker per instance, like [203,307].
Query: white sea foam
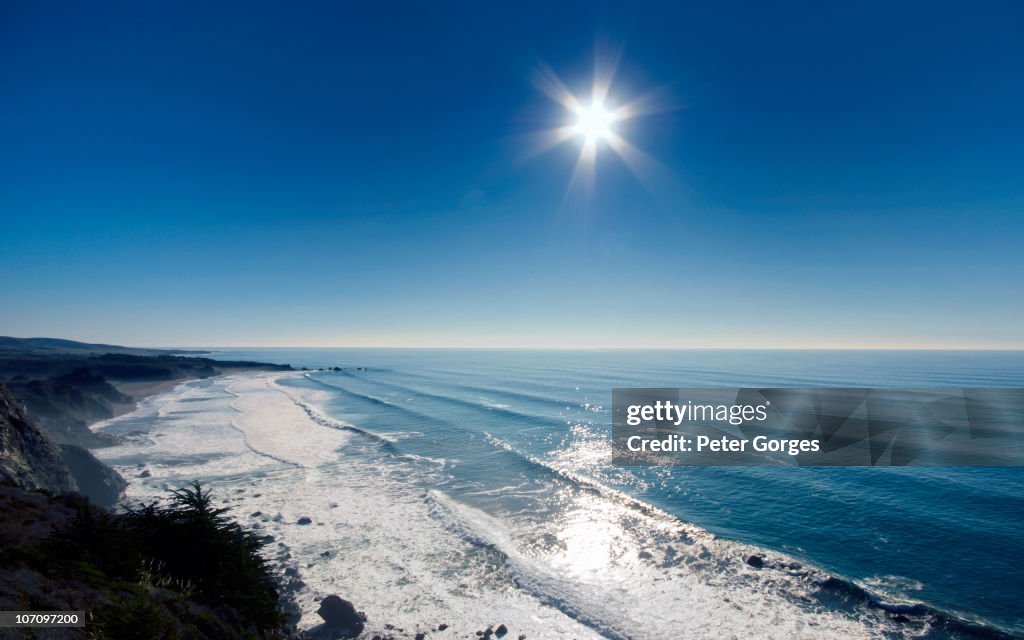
[275,425]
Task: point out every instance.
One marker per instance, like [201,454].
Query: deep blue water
[948,537]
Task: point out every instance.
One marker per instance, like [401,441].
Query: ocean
[474,488]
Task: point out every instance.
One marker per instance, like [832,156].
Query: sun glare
[594,122]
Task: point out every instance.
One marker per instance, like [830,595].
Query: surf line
[319,418]
[245,436]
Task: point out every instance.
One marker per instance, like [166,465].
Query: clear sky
[356,173]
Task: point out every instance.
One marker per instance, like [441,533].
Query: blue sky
[845,175]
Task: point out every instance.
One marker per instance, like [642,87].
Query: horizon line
[541,347]
[611,348]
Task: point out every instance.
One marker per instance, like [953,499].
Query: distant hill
[58,346]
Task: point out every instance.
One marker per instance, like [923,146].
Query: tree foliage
[184,544]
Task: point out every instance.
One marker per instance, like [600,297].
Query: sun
[594,123]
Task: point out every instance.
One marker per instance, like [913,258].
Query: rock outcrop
[66,405]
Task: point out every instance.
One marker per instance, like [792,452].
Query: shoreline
[139,390]
[305,496]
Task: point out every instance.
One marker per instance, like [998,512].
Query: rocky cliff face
[95,480]
[66,405]
[28,457]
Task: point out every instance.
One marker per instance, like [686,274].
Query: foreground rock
[341,615]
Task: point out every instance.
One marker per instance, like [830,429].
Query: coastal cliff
[67,404]
[29,458]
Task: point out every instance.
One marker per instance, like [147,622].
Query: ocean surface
[474,488]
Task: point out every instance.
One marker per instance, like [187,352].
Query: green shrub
[137,617]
